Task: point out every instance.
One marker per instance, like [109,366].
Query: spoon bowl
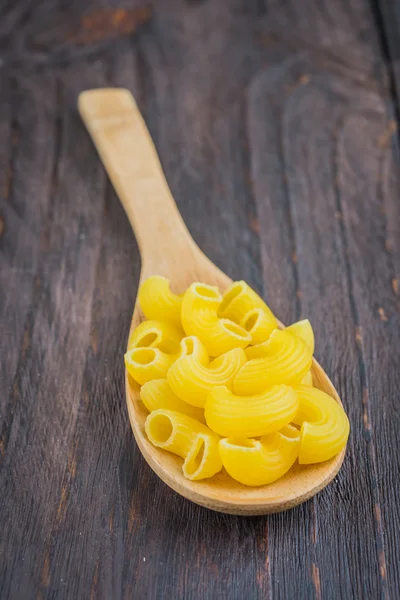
[128,154]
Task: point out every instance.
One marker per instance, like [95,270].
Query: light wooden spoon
[128,154]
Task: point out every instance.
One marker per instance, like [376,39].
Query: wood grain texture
[276,127]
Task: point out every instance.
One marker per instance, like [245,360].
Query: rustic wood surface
[276,122]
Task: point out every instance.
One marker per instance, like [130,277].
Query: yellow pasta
[250,416]
[284,358]
[307,379]
[211,366]
[259,462]
[156,334]
[145,364]
[324,425]
[157,394]
[203,459]
[192,377]
[199,317]
[158,302]
[179,434]
[239,299]
[304,331]
[259,324]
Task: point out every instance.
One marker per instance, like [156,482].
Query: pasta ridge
[158,302]
[191,379]
[157,393]
[284,358]
[231,415]
[199,318]
[324,425]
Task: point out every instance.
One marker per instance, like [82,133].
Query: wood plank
[45,397]
[27,170]
[367,189]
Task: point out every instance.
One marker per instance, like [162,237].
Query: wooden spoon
[167,248]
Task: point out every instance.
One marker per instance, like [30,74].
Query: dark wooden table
[276,123]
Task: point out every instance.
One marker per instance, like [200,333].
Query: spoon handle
[131,161]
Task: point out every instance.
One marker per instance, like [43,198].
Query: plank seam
[387,55]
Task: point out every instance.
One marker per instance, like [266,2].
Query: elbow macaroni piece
[199,318]
[203,459]
[239,299]
[186,437]
[250,416]
[324,425]
[304,331]
[259,462]
[158,302]
[156,334]
[192,377]
[259,323]
[145,364]
[156,394]
[284,358]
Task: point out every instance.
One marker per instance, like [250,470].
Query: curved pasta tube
[259,324]
[324,425]
[304,331]
[199,318]
[239,299]
[155,334]
[259,462]
[192,377]
[157,394]
[203,459]
[284,358]
[158,302]
[178,433]
[250,416]
[144,364]
[307,379]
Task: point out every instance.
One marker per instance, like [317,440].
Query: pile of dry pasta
[225,388]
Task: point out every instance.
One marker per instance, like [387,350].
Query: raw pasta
[203,459]
[157,394]
[284,358]
[156,334]
[304,331]
[239,300]
[158,302]
[192,376]
[199,317]
[259,462]
[145,364]
[259,324]
[324,425]
[307,379]
[225,387]
[186,437]
[250,416]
